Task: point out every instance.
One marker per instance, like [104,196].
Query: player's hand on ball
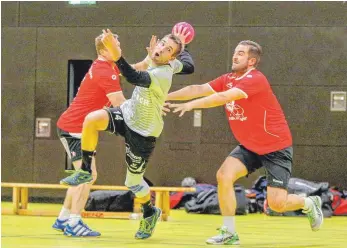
[181,107]
[112,44]
[181,32]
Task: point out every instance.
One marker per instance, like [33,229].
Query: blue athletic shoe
[80,230]
[78,177]
[147,225]
[60,225]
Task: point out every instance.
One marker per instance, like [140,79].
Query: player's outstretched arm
[211,101]
[191,92]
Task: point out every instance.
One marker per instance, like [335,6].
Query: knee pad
[136,184]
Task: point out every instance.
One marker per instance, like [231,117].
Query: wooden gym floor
[182,230]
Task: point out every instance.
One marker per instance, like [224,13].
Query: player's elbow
[189,69]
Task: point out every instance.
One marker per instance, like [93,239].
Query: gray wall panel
[123,13]
[55,46]
[50,102]
[289,13]
[321,163]
[49,161]
[18,112]
[9,14]
[110,162]
[18,55]
[168,167]
[215,127]
[308,113]
[298,55]
[17,162]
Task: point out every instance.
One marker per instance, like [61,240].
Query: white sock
[229,222]
[73,220]
[64,214]
[308,204]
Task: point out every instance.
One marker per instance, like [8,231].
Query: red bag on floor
[339,203]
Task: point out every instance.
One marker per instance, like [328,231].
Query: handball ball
[190,29]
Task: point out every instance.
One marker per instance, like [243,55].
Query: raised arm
[187,61]
[138,78]
[191,92]
[143,65]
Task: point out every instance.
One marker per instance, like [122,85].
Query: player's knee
[132,184]
[137,185]
[89,120]
[277,204]
[225,178]
[94,117]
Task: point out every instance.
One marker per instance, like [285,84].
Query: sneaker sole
[74,185]
[235,243]
[317,204]
[153,228]
[74,236]
[58,229]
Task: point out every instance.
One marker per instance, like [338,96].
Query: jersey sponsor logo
[136,163]
[229,85]
[277,181]
[116,112]
[236,112]
[133,157]
[114,77]
[249,76]
[118,118]
[140,99]
[134,167]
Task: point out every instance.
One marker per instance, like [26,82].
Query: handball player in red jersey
[257,121]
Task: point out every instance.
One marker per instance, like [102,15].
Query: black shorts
[71,143]
[278,164]
[138,148]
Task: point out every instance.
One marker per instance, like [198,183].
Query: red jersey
[256,121]
[101,80]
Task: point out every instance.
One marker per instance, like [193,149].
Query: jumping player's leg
[93,123]
[278,168]
[138,151]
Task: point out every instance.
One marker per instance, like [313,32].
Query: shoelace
[222,232]
[145,226]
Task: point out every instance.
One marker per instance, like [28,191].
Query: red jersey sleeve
[109,80]
[253,83]
[217,84]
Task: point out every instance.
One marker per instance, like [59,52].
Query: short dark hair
[177,41]
[255,50]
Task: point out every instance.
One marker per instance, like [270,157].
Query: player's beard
[239,69]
